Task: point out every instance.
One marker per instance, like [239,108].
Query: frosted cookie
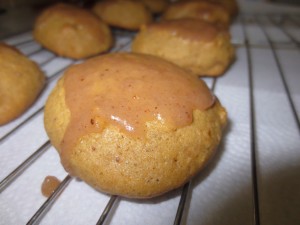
[133,125]
[71,31]
[20,84]
[198,46]
[201,10]
[156,6]
[230,5]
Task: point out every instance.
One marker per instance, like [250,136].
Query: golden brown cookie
[133,125]
[72,32]
[126,14]
[156,6]
[201,10]
[21,81]
[230,5]
[198,46]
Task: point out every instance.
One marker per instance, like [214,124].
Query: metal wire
[21,168]
[255,193]
[278,64]
[12,131]
[48,60]
[107,210]
[35,51]
[187,187]
[182,203]
[24,42]
[43,209]
[282,28]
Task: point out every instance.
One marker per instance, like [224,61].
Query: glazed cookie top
[128,90]
[156,6]
[202,10]
[189,29]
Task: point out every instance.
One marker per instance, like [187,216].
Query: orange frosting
[190,29]
[49,185]
[128,90]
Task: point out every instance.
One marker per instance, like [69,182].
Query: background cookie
[72,32]
[156,6]
[126,14]
[21,82]
[198,46]
[201,10]
[109,145]
[230,5]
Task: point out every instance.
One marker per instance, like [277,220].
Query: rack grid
[254,178]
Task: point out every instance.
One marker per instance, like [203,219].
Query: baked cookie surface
[201,10]
[156,6]
[71,31]
[230,5]
[198,46]
[131,140]
[126,14]
[21,81]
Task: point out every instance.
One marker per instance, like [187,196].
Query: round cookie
[126,14]
[20,84]
[198,46]
[230,5]
[201,10]
[156,6]
[133,125]
[71,31]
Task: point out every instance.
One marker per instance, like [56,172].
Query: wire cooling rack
[254,178]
